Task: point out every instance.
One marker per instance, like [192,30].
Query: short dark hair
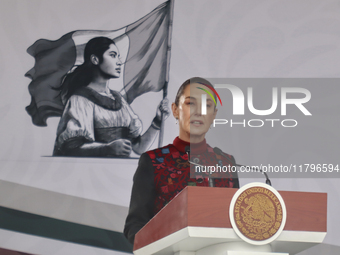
[191,81]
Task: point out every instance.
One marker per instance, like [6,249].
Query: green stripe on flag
[33,224]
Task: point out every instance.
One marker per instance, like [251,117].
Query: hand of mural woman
[163,107]
[120,147]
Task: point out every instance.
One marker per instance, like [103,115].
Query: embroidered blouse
[162,173]
[90,116]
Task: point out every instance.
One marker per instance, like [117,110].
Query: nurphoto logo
[239,105]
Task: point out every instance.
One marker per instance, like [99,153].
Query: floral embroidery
[165,189]
[152,155]
[175,154]
[184,156]
[165,151]
[172,173]
[160,160]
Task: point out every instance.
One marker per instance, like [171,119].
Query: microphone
[187,151]
[218,151]
[199,180]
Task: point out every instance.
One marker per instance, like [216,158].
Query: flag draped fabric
[146,46]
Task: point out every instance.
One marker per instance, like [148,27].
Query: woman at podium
[164,172]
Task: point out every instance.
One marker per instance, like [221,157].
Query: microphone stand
[258,170]
[218,151]
[210,179]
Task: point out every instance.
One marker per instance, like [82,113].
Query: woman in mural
[162,173]
[97,121]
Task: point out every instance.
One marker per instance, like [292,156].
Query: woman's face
[111,63]
[192,124]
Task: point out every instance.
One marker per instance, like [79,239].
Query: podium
[197,222]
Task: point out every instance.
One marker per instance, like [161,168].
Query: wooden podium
[196,222]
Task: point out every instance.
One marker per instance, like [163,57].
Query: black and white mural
[86,87]
[71,79]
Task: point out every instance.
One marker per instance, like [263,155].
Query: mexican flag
[143,45]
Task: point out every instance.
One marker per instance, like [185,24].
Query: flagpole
[165,88]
